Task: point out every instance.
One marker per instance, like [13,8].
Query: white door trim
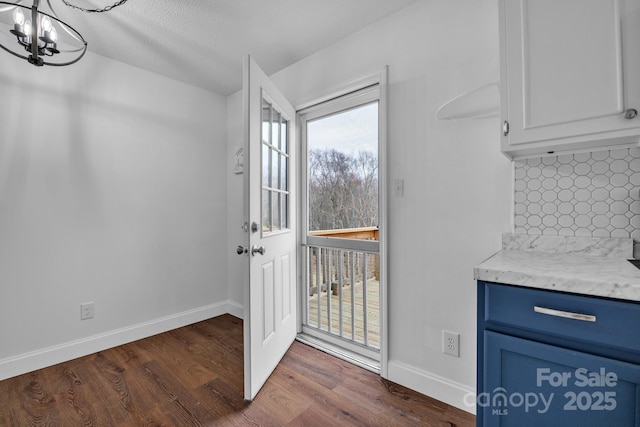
[379,78]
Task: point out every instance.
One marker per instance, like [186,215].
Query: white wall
[457,184]
[112,190]
[235,214]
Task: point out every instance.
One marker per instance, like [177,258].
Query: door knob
[257,250]
[241,250]
[631,113]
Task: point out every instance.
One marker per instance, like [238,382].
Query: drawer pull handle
[566,314]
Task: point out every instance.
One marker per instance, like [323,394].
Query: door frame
[379,78]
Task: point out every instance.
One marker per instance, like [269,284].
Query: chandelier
[41,38]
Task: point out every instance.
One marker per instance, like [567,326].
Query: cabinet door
[569,70]
[527,383]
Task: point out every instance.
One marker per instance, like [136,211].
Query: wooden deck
[373,312]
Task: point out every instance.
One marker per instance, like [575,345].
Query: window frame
[283,227]
[357,98]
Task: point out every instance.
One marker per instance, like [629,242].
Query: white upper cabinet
[570,74]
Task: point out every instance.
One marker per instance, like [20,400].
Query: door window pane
[284,202]
[275,206]
[275,168]
[266,121]
[275,129]
[343,174]
[266,168]
[283,136]
[283,173]
[266,210]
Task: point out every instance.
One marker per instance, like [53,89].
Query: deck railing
[363,233]
[343,288]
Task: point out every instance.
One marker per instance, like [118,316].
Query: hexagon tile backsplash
[587,194]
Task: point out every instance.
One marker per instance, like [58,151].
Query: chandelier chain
[104,9]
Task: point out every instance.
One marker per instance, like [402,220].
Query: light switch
[398,187]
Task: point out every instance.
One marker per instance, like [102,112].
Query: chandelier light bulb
[46,23]
[53,35]
[18,16]
[27,28]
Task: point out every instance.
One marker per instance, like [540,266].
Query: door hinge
[505,128]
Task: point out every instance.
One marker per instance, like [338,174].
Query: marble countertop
[596,267]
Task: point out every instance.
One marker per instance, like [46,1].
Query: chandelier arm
[71,50]
[10,6]
[54,64]
[53,12]
[64,27]
[104,9]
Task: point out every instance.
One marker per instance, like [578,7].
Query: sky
[350,131]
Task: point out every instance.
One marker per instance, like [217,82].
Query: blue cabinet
[554,359]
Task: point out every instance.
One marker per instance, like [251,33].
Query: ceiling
[202,42]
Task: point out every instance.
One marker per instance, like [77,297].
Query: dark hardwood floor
[192,376]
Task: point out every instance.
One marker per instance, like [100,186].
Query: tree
[343,190]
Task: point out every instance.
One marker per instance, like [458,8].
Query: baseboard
[235,309]
[28,362]
[443,389]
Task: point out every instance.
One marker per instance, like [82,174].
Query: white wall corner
[435,386]
[38,359]
[235,309]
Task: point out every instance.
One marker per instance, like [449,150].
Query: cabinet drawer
[515,366]
[576,317]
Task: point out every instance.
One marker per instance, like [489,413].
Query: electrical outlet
[451,343]
[86,310]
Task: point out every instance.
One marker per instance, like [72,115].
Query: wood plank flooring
[192,376]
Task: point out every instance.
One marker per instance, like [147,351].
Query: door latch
[257,250]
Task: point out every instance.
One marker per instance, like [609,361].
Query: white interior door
[270,323]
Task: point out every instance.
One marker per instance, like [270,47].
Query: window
[342,165]
[275,169]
